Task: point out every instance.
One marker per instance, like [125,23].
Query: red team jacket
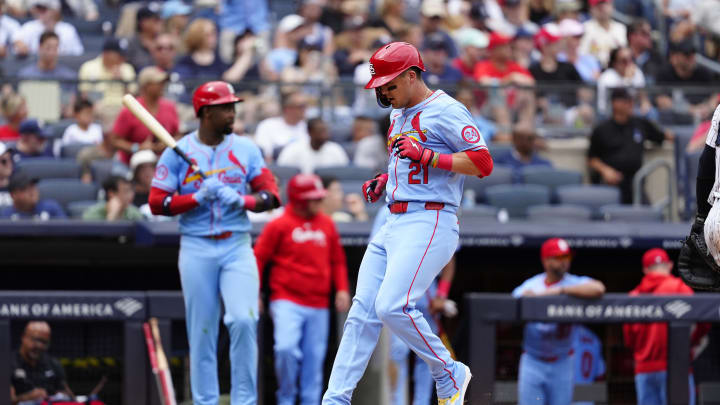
[306,258]
[649,340]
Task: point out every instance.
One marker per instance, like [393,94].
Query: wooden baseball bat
[163,368]
[157,129]
[153,361]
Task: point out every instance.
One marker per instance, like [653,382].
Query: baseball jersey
[235,161]
[546,339]
[712,140]
[442,124]
[589,363]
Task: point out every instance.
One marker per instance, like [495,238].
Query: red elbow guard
[482,160]
[265,182]
[163,203]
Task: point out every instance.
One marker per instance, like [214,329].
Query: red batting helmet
[214,93]
[391,60]
[304,187]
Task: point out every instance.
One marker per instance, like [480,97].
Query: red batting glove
[409,148]
[373,189]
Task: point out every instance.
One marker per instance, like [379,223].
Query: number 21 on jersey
[415,169]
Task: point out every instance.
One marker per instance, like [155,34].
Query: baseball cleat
[459,397]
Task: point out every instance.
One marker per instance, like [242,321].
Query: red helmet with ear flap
[214,93]
[389,62]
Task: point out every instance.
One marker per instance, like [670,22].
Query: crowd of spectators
[515,64]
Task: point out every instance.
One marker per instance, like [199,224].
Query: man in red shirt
[649,340]
[14,110]
[129,134]
[306,260]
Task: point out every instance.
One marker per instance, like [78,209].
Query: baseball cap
[472,37]
[555,247]
[570,27]
[596,2]
[655,256]
[145,13]
[32,126]
[151,74]
[115,45]
[548,34]
[290,23]
[433,8]
[141,157]
[20,180]
[175,7]
[497,39]
[435,41]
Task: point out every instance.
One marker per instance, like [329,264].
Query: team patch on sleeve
[161,172]
[470,134]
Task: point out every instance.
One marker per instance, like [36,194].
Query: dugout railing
[486,310]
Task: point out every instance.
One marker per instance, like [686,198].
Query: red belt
[220,236]
[401,207]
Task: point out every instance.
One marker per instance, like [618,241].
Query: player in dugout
[216,260]
[545,375]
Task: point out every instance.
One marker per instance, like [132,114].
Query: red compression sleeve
[177,204]
[265,181]
[482,160]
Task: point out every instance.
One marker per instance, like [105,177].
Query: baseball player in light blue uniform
[432,140]
[545,375]
[216,260]
[587,352]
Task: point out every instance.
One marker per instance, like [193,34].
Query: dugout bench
[485,310]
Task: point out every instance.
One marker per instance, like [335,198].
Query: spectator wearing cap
[567,9]
[47,18]
[586,64]
[6,169]
[129,134]
[473,44]
[239,16]
[683,70]
[433,13]
[142,166]
[643,52]
[621,72]
[274,133]
[290,32]
[602,34]
[164,52]
[523,48]
[8,27]
[112,77]
[311,67]
[439,70]
[148,26]
[546,365]
[500,69]
[523,153]
[14,110]
[176,17]
[616,145]
[33,142]
[84,130]
[316,152]
[118,205]
[26,202]
[649,341]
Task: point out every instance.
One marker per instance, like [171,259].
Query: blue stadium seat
[57,129]
[630,213]
[559,213]
[549,176]
[479,212]
[50,168]
[591,196]
[499,175]
[77,208]
[102,169]
[353,186]
[499,149]
[516,198]
[65,191]
[71,151]
[343,173]
[284,173]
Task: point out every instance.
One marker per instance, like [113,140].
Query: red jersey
[649,340]
[8,134]
[488,69]
[467,71]
[305,257]
[128,127]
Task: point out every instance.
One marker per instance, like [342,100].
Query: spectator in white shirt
[8,28]
[47,18]
[602,34]
[272,134]
[314,153]
[84,130]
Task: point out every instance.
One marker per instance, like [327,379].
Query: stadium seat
[591,196]
[65,191]
[284,173]
[57,129]
[630,213]
[477,186]
[549,176]
[516,198]
[346,172]
[499,149]
[353,186]
[479,212]
[102,169]
[76,208]
[559,213]
[71,151]
[50,168]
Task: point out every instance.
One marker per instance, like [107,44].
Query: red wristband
[444,161]
[443,289]
[250,202]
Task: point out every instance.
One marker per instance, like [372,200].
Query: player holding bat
[216,259]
